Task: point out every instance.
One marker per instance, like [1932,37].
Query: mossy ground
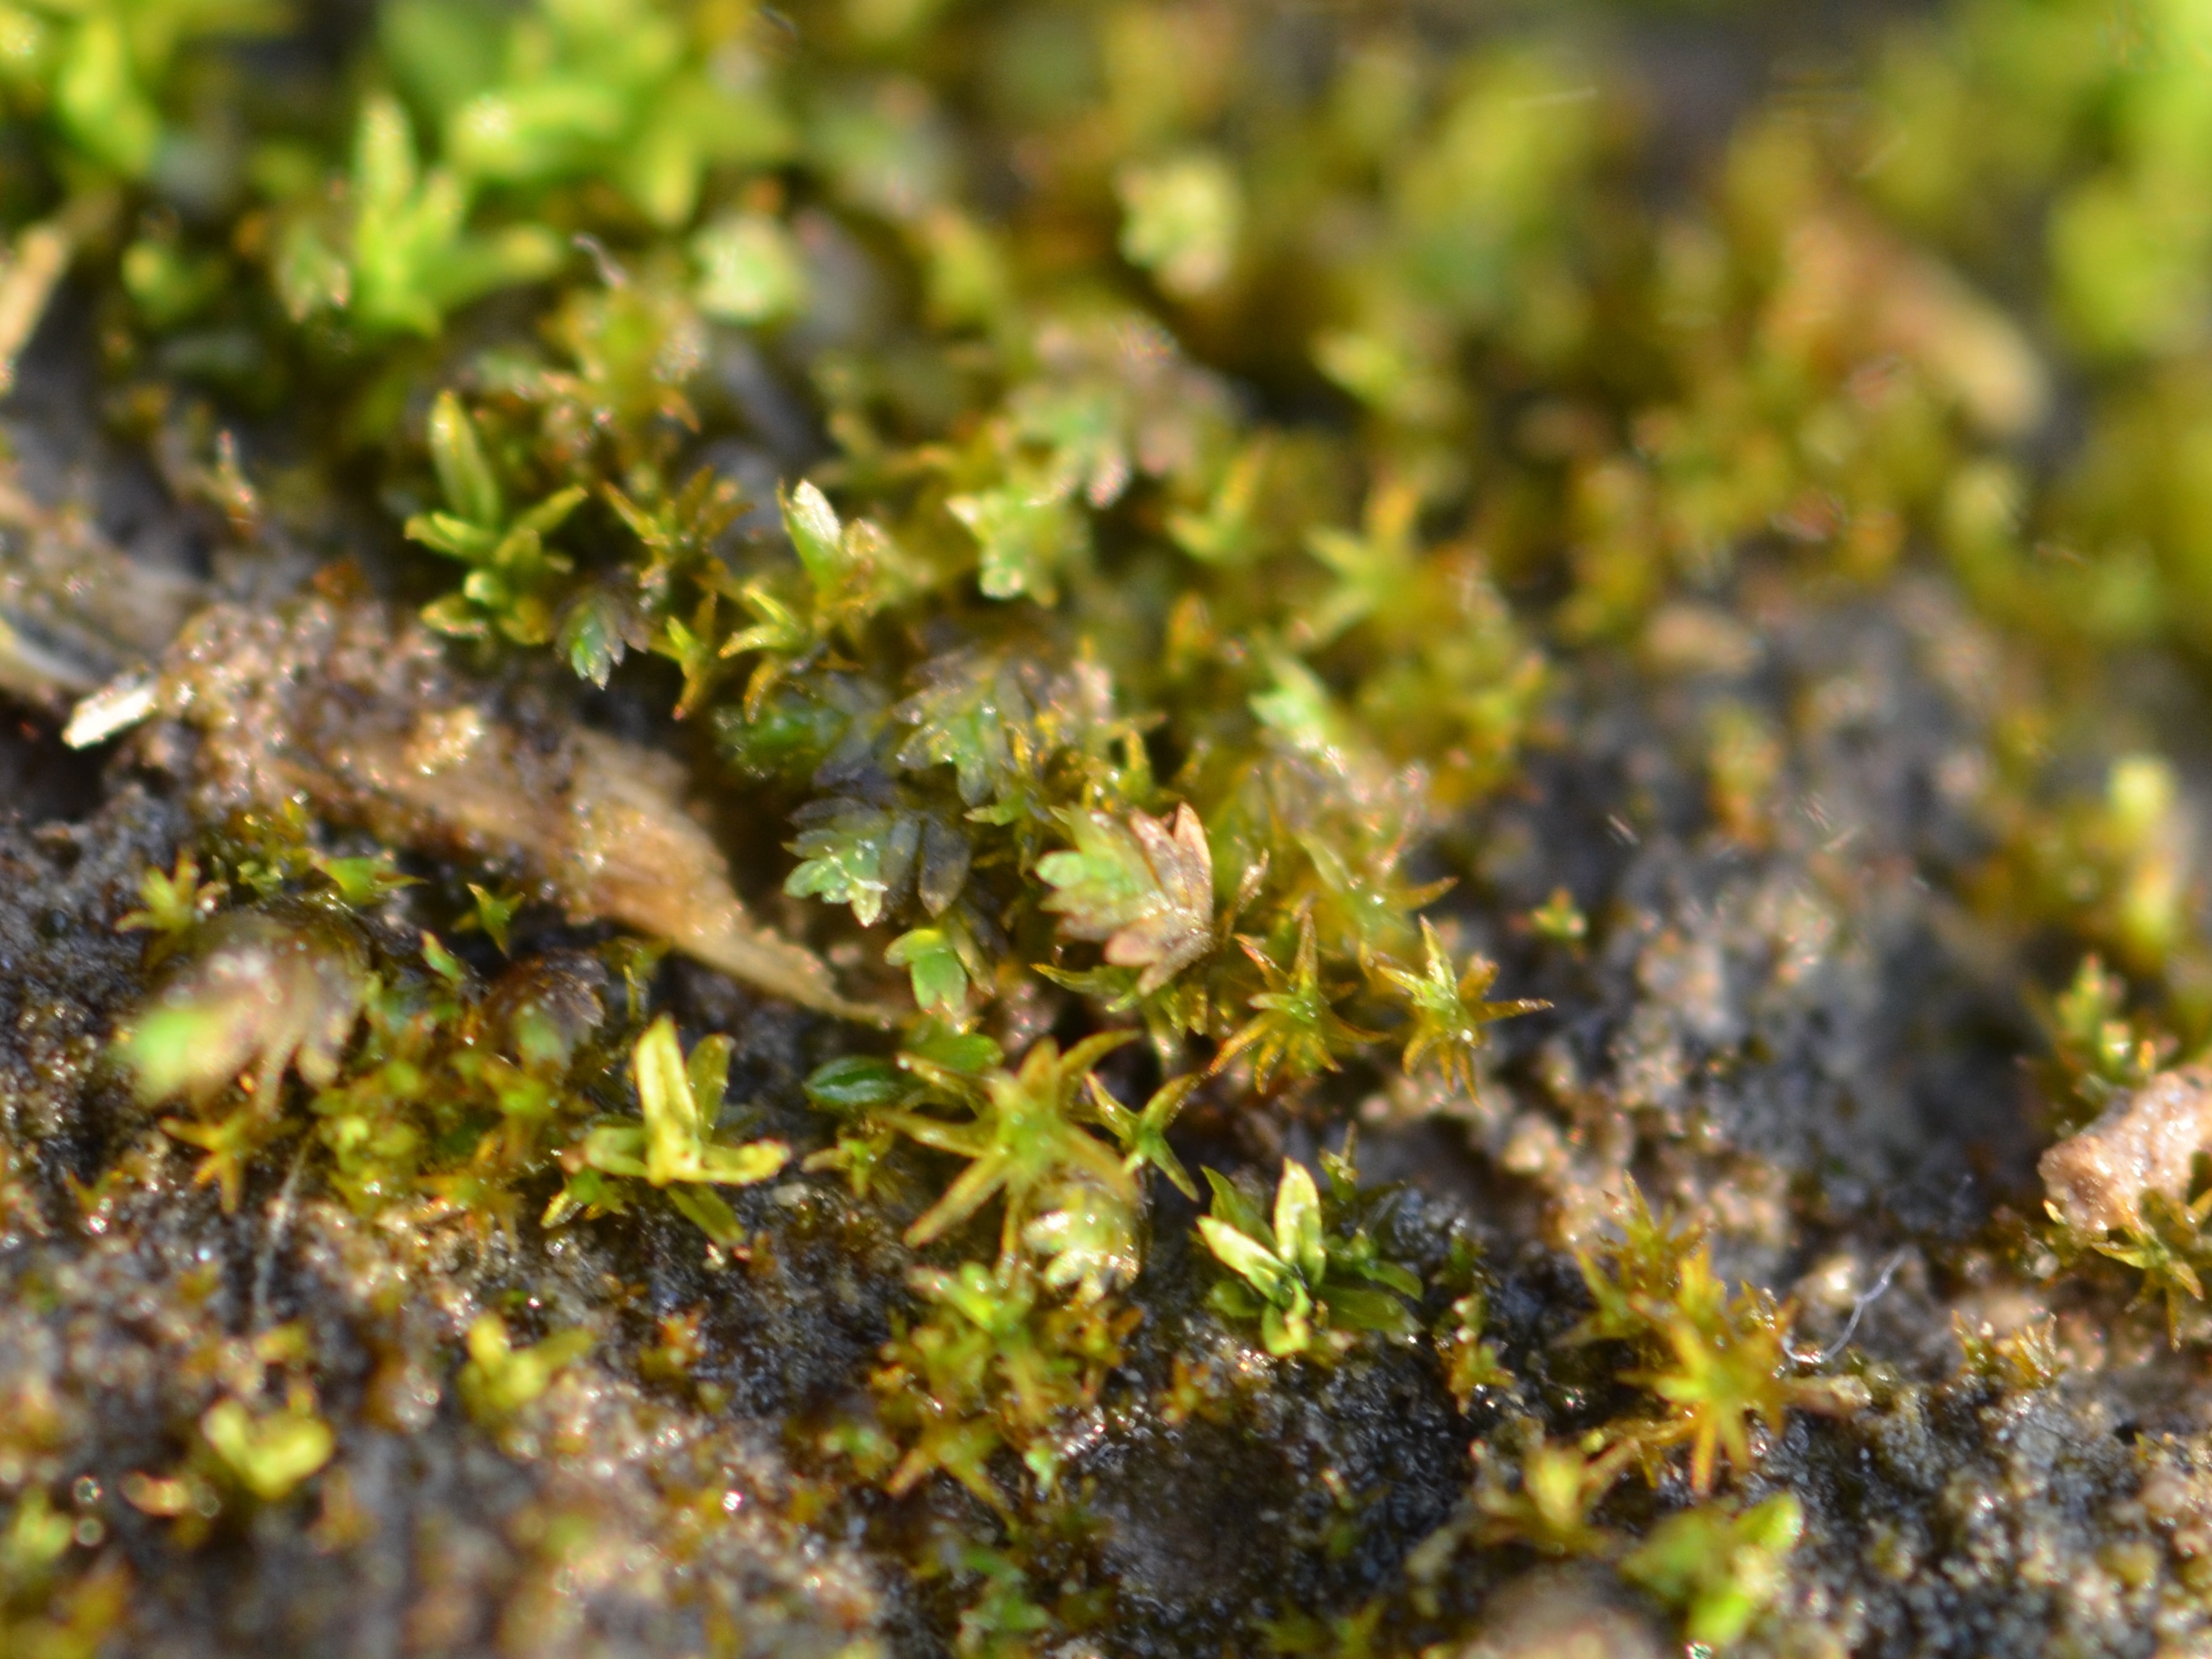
[1560,653]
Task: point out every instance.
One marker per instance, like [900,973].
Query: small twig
[27,282]
[273,1235]
[1865,1299]
[610,269]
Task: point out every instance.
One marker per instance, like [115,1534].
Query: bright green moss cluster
[1099,495]
[1311,1285]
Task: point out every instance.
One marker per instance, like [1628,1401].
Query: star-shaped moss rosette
[673,1147]
[1720,1362]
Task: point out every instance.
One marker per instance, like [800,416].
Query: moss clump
[763,675]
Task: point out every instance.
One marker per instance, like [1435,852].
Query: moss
[768,681]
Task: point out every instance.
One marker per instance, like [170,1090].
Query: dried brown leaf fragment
[2146,1142]
[355,708]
